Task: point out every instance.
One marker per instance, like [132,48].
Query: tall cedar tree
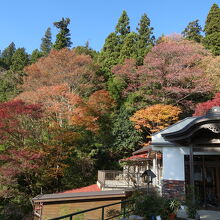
[145,37]
[110,53]
[123,28]
[212,30]
[193,31]
[46,43]
[129,47]
[6,56]
[63,37]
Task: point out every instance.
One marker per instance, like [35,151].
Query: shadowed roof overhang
[208,126]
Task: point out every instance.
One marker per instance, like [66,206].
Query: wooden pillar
[191,166]
[203,178]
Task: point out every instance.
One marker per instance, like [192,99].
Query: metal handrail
[70,216]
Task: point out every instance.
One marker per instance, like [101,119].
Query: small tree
[46,43]
[193,31]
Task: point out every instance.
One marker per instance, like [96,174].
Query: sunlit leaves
[155,118]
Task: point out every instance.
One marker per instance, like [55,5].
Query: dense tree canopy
[66,112]
[62,66]
[170,74]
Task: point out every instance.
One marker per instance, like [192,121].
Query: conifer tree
[145,38]
[19,60]
[212,24]
[193,31]
[123,28]
[36,54]
[46,43]
[6,56]
[14,76]
[63,37]
[212,30]
[129,47]
[110,52]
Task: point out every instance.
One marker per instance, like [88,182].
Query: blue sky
[24,21]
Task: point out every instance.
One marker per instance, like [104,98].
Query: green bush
[149,204]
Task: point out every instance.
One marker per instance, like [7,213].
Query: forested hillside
[67,112]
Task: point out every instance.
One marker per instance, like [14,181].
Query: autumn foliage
[59,67]
[155,118]
[171,74]
[13,114]
[202,108]
[89,114]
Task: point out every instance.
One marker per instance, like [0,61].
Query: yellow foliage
[155,117]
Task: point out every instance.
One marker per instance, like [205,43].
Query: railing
[127,207]
[119,179]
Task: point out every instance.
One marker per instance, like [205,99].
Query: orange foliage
[61,66]
[155,117]
[88,114]
[59,102]
[56,100]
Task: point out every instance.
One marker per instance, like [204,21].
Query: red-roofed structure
[90,188]
[136,157]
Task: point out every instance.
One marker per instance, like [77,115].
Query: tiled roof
[91,188]
[136,157]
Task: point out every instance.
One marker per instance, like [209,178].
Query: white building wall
[173,163]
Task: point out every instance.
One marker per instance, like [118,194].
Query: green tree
[145,37]
[212,30]
[212,23]
[46,43]
[129,47]
[122,28]
[8,87]
[36,54]
[11,78]
[193,31]
[212,42]
[19,60]
[86,50]
[63,37]
[109,55]
[6,55]
[126,138]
